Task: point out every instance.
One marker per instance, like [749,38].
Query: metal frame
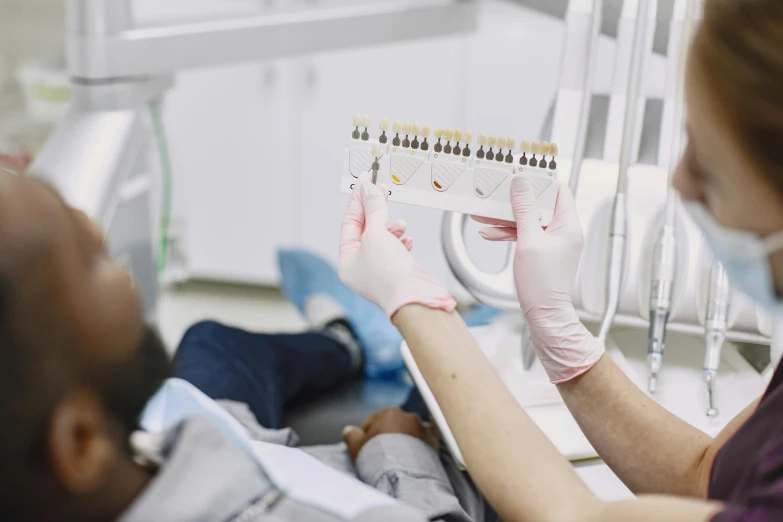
[103,42]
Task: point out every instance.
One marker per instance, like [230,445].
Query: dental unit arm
[98,157]
[587,90]
[665,249]
[618,231]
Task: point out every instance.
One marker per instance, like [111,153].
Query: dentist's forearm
[648,447]
[515,465]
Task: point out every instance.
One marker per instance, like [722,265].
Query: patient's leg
[264,371]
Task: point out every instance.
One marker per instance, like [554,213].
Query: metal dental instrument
[665,250]
[587,88]
[715,326]
[664,272]
[619,224]
[376,165]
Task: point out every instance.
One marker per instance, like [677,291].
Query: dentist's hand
[376,263]
[545,267]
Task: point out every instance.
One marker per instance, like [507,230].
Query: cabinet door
[416,82]
[227,132]
[228,138]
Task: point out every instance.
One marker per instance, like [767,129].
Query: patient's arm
[397,454]
[515,465]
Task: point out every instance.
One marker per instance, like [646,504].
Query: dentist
[731,181]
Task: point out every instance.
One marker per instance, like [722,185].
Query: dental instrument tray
[449,172]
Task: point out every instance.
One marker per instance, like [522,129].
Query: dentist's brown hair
[738,50]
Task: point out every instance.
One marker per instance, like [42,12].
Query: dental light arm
[619,225]
[104,42]
[665,250]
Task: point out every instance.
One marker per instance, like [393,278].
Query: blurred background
[256,148]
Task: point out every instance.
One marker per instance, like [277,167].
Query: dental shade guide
[448,134]
[482,141]
[450,176]
[384,126]
[553,152]
[491,140]
[357,121]
[425,133]
[524,146]
[397,130]
[376,166]
[535,148]
[406,129]
[510,144]
[468,139]
[366,124]
[439,134]
[501,142]
[457,138]
[415,129]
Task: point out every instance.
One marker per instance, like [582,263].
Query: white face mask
[744,255]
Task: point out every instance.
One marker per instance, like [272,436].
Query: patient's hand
[390,420]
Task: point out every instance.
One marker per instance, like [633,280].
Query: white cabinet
[232,178]
[228,133]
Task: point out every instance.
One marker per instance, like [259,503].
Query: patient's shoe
[304,275]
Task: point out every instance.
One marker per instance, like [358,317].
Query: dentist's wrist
[437,301]
[564,345]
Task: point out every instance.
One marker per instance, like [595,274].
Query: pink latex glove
[376,263]
[545,267]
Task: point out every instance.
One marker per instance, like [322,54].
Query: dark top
[748,470]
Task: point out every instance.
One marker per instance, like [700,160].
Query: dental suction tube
[587,97]
[618,233]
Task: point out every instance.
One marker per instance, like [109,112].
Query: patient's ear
[80,446]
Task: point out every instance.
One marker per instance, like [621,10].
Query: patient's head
[77,363]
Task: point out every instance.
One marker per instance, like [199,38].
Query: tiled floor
[253,308]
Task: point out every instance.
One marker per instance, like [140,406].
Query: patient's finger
[355,439]
[368,423]
[408,242]
[499,233]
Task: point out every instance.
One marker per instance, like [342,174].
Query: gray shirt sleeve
[409,470]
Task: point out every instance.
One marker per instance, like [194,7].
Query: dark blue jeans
[268,372]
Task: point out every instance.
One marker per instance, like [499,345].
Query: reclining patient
[79,366]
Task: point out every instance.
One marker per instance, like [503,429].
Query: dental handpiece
[664,268]
[716,324]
